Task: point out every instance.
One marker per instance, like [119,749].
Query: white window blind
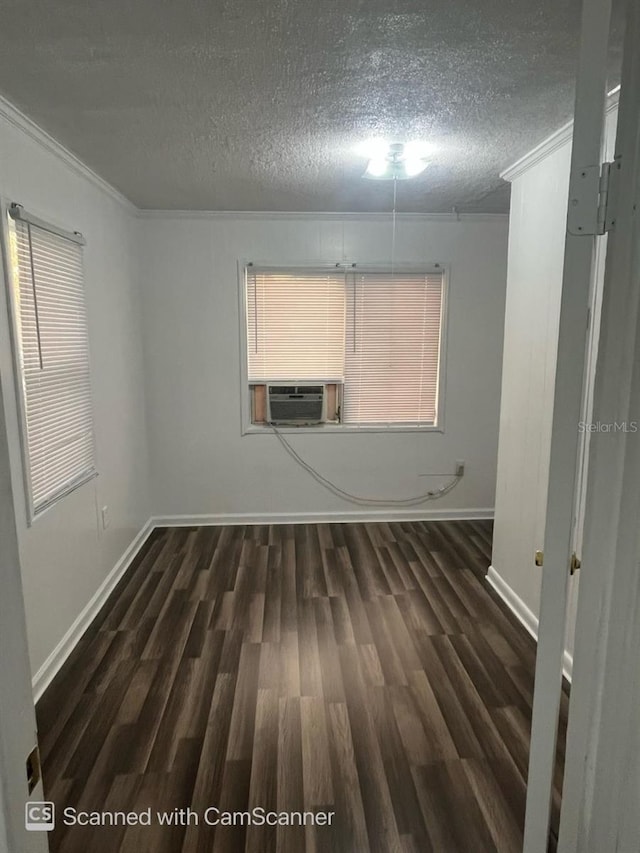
[392,348]
[295,325]
[53,361]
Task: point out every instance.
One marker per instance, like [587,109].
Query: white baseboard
[523,614]
[322,517]
[45,675]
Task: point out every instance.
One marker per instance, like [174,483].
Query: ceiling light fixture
[394,161]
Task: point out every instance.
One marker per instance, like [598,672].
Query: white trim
[557,139]
[321,214]
[45,675]
[559,512]
[515,603]
[522,613]
[52,665]
[18,119]
[236,518]
[334,428]
[247,428]
[602,772]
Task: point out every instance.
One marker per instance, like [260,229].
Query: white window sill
[322,429]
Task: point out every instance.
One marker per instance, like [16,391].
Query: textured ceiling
[258,104]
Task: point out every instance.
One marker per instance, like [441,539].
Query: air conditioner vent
[296,404]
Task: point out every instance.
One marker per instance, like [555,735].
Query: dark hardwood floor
[361,669]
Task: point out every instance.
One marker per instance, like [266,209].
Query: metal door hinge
[608,197]
[538,558]
[574,564]
[593,198]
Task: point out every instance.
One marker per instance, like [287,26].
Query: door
[587,422]
[602,777]
[581,246]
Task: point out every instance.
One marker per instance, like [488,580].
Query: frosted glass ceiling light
[394,161]
[414,166]
[373,149]
[377,168]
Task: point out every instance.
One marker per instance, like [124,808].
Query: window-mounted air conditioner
[296,404]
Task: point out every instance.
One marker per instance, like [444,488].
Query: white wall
[536,252]
[168,427]
[537,225]
[65,555]
[199,461]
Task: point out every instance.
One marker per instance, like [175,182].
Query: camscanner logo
[40,816]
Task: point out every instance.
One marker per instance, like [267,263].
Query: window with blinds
[295,325]
[378,334]
[392,352]
[52,357]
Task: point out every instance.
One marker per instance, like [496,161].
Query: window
[52,359]
[375,336]
[296,326]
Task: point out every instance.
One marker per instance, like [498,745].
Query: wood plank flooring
[361,669]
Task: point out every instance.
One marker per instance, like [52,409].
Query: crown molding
[557,139]
[18,119]
[561,137]
[323,215]
[12,115]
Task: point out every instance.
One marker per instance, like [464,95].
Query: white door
[562,505]
[602,777]
[586,418]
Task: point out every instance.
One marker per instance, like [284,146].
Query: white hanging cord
[433,494]
[393,226]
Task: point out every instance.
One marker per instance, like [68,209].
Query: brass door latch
[574,563]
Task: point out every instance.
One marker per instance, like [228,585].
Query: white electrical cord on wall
[433,494]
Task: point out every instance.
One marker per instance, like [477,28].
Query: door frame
[593,338]
[18,730]
[578,272]
[602,778]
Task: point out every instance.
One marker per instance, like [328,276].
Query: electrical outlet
[460,468]
[106,520]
